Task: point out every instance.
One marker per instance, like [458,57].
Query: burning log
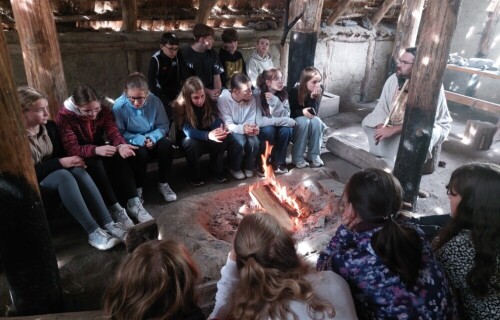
[267,200]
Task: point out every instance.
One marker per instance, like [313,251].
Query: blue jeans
[279,138]
[307,133]
[239,143]
[78,193]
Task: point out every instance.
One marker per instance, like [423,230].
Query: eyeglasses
[90,112]
[171,49]
[280,79]
[404,62]
[137,99]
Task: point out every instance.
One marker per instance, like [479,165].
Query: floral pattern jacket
[378,292]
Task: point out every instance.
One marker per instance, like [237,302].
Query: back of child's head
[136,80]
[201,30]
[229,35]
[169,38]
[157,280]
[27,96]
[376,196]
[84,94]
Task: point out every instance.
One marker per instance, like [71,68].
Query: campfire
[273,197]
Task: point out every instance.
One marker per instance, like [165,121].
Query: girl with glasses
[273,99]
[142,120]
[89,131]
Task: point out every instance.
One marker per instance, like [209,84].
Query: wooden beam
[28,257]
[338,12]
[438,24]
[489,74]
[473,102]
[368,70]
[407,28]
[129,15]
[41,54]
[379,15]
[489,29]
[204,11]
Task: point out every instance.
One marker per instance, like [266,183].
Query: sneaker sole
[111,243]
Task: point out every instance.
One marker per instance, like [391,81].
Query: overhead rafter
[339,11]
[204,10]
[379,15]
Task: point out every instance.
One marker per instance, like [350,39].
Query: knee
[164,144]
[267,133]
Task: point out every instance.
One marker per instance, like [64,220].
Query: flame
[278,190]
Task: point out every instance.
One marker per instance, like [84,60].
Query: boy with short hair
[202,61]
[167,71]
[230,58]
[260,59]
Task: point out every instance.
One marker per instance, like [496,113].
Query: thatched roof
[167,15]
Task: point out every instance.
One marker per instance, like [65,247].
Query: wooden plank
[41,54]
[407,29]
[272,206]
[379,15]
[489,74]
[338,12]
[473,102]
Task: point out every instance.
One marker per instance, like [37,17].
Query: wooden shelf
[489,74]
[473,102]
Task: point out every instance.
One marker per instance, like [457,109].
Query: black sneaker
[195,182]
[221,179]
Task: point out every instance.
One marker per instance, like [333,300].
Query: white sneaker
[248,173]
[167,192]
[121,216]
[139,194]
[302,164]
[139,213]
[102,240]
[117,229]
[317,162]
[238,175]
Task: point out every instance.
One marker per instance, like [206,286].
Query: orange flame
[278,190]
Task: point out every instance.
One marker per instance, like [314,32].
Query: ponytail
[400,249]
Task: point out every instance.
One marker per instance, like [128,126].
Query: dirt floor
[85,271]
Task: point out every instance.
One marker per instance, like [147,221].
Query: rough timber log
[26,248]
[489,29]
[407,29]
[204,10]
[129,15]
[303,38]
[41,54]
[272,206]
[379,15]
[338,11]
[438,23]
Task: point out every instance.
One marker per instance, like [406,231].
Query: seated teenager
[156,281]
[66,175]
[387,262]
[305,98]
[142,120]
[468,247]
[202,131]
[274,105]
[264,278]
[89,131]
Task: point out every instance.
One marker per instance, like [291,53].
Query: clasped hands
[218,134]
[251,129]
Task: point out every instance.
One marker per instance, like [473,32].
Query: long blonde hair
[271,273]
[157,280]
[307,74]
[183,108]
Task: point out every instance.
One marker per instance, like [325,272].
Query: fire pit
[206,223]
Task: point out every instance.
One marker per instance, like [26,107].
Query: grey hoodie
[256,64]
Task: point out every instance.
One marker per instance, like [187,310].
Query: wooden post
[407,29]
[25,242]
[489,29]
[129,15]
[304,38]
[438,24]
[338,11]
[41,55]
[204,11]
[365,84]
[379,15]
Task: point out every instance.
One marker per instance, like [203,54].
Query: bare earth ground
[205,218]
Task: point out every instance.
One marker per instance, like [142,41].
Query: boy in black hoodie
[230,58]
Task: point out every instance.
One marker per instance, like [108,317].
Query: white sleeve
[383,108]
[225,287]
